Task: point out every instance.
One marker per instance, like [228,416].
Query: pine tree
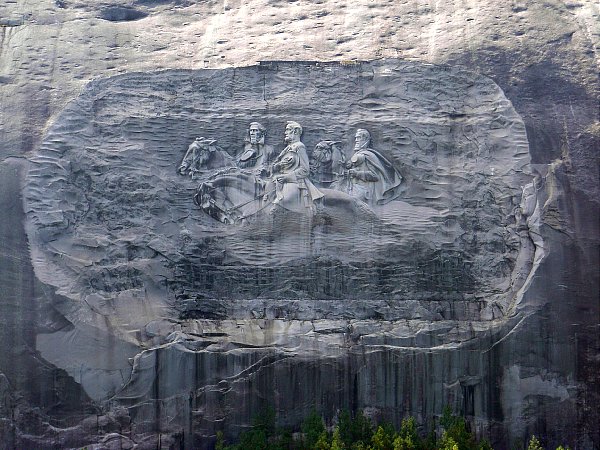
[345,428]
[455,429]
[323,442]
[312,428]
[361,429]
[383,439]
[534,444]
[220,445]
[408,437]
[336,441]
[447,443]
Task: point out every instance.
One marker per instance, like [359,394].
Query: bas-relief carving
[289,180]
[293,189]
[371,177]
[203,155]
[325,213]
[327,163]
[256,154]
[399,260]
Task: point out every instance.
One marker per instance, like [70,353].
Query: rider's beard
[360,145]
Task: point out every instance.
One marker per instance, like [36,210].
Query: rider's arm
[301,172]
[288,161]
[364,175]
[303,169]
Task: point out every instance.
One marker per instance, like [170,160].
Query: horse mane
[217,157]
[338,158]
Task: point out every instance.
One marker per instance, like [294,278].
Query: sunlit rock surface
[130,318]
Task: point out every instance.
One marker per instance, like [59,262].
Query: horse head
[198,156]
[205,199]
[326,160]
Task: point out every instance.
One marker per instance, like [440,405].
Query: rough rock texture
[69,342]
[111,217]
[115,231]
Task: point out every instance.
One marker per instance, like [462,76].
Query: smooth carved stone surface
[153,283]
[113,222]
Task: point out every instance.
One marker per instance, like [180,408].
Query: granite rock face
[130,318]
[110,215]
[142,269]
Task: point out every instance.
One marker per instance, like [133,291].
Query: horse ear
[210,143]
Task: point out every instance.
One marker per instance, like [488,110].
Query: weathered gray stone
[440,265]
[451,235]
[539,377]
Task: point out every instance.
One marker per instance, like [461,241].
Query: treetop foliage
[359,433]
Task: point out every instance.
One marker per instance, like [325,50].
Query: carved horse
[204,155]
[234,195]
[327,163]
[231,196]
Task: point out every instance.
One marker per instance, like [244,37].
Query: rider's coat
[256,156]
[298,193]
[375,179]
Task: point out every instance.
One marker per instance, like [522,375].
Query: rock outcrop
[131,317]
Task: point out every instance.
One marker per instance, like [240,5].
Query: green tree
[345,428]
[323,442]
[361,429]
[455,430]
[312,427]
[534,444]
[253,440]
[257,438]
[383,438]
[447,443]
[401,443]
[408,438]
[265,421]
[484,445]
[360,445]
[336,440]
[220,444]
[283,441]
[358,434]
[430,441]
